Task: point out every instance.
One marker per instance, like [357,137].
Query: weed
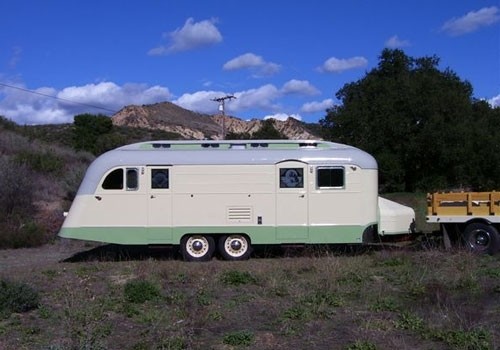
[175,297]
[44,312]
[296,313]
[50,273]
[410,322]
[203,298]
[361,345]
[215,315]
[139,291]
[236,278]
[239,338]
[86,271]
[475,339]
[17,297]
[130,310]
[174,343]
[385,304]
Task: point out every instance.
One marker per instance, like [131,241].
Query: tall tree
[89,131]
[413,117]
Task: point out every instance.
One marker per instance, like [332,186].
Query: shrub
[17,233]
[235,278]
[139,291]
[45,162]
[244,338]
[16,188]
[17,297]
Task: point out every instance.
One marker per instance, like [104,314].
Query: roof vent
[308,145]
[161,145]
[255,145]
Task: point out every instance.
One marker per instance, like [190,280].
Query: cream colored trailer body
[194,193]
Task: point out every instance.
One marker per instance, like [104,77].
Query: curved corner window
[331,177]
[132,179]
[114,180]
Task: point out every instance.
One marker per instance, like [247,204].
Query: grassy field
[316,299]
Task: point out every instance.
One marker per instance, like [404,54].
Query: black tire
[197,247]
[481,238]
[235,247]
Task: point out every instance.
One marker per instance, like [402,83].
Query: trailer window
[330,178]
[291,178]
[159,178]
[114,180]
[132,179]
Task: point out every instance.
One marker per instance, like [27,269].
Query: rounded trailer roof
[237,152]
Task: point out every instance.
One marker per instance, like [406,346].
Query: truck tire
[197,247]
[481,238]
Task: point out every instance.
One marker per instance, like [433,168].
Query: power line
[56,97]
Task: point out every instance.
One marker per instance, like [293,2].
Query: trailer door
[159,204]
[292,202]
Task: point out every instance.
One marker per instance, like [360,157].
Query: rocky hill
[191,125]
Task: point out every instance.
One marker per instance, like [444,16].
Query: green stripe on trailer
[257,234]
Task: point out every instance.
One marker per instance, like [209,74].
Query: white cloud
[202,101]
[494,101]
[283,116]
[337,65]
[395,42]
[313,107]
[253,62]
[48,106]
[111,96]
[193,35]
[302,87]
[472,21]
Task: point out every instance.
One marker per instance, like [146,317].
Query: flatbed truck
[471,217]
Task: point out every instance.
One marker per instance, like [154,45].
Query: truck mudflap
[395,218]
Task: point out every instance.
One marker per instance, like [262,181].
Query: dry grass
[322,300]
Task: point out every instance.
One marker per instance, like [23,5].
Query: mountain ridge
[170,117]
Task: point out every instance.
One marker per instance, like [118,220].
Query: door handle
[152,196]
[302,196]
[98,198]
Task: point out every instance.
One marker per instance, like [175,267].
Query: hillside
[191,125]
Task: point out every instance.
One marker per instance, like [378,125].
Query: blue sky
[278,58]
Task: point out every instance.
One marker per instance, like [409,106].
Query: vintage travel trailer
[226,196]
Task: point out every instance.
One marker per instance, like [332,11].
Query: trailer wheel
[481,238]
[235,247]
[197,248]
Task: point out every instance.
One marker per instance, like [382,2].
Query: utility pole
[221,101]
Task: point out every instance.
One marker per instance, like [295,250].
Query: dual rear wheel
[203,247]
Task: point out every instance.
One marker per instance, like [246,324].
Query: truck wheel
[482,238]
[234,247]
[197,248]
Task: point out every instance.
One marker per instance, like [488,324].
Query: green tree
[417,120]
[268,131]
[88,131]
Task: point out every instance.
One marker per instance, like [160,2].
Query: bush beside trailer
[225,196]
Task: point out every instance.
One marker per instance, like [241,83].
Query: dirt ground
[347,301]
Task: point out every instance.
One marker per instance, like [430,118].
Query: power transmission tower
[221,101]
